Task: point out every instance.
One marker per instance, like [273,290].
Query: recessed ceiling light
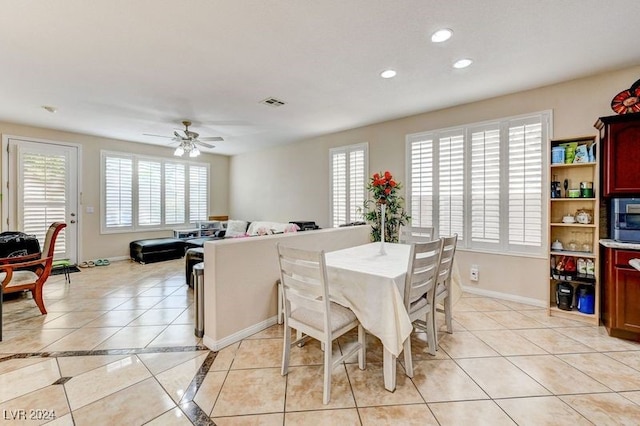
[441,35]
[49,108]
[462,63]
[388,74]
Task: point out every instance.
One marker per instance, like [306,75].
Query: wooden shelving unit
[585,236]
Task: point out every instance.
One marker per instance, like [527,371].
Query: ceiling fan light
[194,152]
[179,152]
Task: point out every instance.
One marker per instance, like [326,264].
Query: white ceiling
[122,68]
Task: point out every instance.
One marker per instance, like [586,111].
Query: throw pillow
[236,228]
[291,227]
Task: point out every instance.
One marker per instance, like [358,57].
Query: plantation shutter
[485,185]
[451,185]
[357,178]
[198,193]
[118,192]
[339,187]
[348,169]
[44,182]
[525,182]
[421,181]
[149,193]
[174,193]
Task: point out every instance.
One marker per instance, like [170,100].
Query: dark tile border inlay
[197,380]
[106,352]
[61,381]
[195,414]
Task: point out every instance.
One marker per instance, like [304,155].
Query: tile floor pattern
[117,347]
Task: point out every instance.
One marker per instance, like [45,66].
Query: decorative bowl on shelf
[556,245]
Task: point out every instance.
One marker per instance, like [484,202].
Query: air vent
[272,102]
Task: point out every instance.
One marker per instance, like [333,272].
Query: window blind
[149,193]
[174,193]
[339,188]
[44,179]
[483,181]
[141,192]
[421,182]
[357,179]
[451,185]
[348,183]
[198,193]
[485,185]
[118,192]
[525,184]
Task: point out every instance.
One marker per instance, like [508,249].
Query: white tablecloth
[372,285]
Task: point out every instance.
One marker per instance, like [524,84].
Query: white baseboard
[216,345]
[505,296]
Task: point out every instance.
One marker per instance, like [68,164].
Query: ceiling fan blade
[206,145]
[156,136]
[178,135]
[211,139]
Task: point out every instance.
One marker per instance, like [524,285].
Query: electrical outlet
[475,273]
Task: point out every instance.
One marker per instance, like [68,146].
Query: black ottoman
[156,249]
[192,257]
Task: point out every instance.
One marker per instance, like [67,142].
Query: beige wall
[292,182]
[94,245]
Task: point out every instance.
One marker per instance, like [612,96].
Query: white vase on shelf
[382,211]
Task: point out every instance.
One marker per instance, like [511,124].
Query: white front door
[43,188]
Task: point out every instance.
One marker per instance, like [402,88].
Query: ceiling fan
[189,141]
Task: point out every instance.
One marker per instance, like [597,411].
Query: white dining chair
[419,294]
[308,309]
[443,289]
[415,234]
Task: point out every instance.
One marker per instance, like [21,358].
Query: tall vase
[382,210]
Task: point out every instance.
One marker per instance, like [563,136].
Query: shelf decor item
[384,210]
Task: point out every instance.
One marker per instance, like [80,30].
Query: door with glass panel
[43,188]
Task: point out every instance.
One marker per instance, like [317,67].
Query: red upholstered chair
[32,274]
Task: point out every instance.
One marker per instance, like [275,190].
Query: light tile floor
[117,347]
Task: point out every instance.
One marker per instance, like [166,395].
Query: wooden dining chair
[419,294]
[308,309]
[415,234]
[32,274]
[443,289]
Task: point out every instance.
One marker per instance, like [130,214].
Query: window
[348,183]
[482,181]
[145,193]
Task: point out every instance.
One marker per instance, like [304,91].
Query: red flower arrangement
[382,186]
[384,190]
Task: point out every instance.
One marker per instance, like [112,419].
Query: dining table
[371,284]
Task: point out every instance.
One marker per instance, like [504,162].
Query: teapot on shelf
[583,217]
